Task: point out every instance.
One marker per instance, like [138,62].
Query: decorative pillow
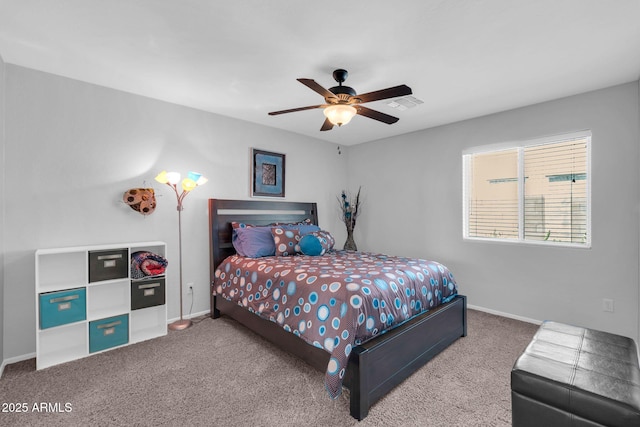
[253,242]
[236,225]
[237,243]
[256,241]
[316,243]
[306,221]
[303,227]
[286,241]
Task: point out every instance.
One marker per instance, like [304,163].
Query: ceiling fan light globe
[340,114]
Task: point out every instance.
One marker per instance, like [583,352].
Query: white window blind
[537,191]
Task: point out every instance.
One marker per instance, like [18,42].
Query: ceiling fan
[342,102]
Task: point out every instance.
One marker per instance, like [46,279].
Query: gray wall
[2,204]
[413,190]
[73,148]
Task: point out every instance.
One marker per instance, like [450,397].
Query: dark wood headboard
[258,212]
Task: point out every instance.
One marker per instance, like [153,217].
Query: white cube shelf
[107,299]
[63,269]
[146,323]
[62,344]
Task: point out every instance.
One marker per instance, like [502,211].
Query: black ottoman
[572,376]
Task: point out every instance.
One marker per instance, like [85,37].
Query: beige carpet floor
[218,373]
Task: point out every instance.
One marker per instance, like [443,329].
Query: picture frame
[267,173]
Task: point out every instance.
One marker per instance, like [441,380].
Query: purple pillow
[253,242]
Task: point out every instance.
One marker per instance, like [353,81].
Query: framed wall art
[267,173]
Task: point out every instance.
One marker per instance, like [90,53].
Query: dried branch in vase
[350,208]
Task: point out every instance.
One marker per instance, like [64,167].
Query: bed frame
[376,366]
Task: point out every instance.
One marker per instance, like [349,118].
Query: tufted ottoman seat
[572,376]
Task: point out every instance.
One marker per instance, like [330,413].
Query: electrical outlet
[189,288]
[607,305]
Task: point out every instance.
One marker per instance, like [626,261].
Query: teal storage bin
[60,308]
[108,333]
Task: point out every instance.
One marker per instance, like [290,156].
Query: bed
[372,366]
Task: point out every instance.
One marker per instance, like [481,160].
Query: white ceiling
[463,58]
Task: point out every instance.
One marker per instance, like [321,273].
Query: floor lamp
[192,180]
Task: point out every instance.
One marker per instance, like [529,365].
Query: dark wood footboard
[379,365]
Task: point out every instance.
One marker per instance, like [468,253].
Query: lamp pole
[192,181]
[182,323]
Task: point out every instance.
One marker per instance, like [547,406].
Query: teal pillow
[316,243]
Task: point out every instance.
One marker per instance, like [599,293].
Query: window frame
[520,146]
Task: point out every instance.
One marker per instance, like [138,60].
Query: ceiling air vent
[404,103]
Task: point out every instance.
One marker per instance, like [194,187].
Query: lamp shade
[162,177]
[197,177]
[340,114]
[188,184]
[173,177]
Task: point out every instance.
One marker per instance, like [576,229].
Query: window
[536,192]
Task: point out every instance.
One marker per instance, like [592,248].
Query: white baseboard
[16,359]
[32,355]
[201,313]
[503,314]
[528,320]
[206,312]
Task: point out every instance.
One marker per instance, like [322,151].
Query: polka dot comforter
[335,301]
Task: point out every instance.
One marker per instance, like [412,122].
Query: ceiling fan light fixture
[340,114]
[340,100]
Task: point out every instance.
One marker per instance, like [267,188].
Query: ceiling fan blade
[376,115]
[327,125]
[391,92]
[311,84]
[293,110]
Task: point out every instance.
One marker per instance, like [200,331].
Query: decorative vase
[350,244]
